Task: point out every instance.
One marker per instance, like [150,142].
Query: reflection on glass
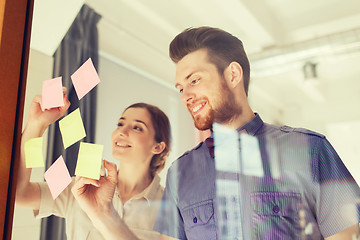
[228,187]
[280,185]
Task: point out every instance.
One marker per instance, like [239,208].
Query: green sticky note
[72,128]
[33,153]
[89,160]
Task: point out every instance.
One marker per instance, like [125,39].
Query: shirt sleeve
[338,194]
[169,220]
[58,207]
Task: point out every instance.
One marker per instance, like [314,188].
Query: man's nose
[187,96]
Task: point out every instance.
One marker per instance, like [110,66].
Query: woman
[121,205]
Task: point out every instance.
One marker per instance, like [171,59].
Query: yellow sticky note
[33,153]
[89,160]
[72,128]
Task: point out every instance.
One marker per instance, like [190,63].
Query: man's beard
[204,123]
[226,110]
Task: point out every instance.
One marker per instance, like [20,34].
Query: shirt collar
[250,127]
[149,192]
[253,126]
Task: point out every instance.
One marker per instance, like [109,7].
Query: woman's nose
[123,130]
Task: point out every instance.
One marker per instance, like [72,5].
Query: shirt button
[276,209]
[195,220]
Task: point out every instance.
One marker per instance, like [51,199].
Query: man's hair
[222,48]
[161,126]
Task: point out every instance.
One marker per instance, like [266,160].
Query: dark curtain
[79,44]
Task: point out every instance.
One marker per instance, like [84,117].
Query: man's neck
[243,118]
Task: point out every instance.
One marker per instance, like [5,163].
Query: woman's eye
[138,128]
[181,90]
[119,124]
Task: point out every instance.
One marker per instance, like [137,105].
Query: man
[312,196]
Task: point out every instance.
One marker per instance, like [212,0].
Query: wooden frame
[15,29]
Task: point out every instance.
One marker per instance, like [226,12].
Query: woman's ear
[234,74]
[158,148]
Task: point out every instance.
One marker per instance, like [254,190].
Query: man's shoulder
[184,158]
[290,131]
[305,131]
[194,149]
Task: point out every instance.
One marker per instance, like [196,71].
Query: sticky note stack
[72,130]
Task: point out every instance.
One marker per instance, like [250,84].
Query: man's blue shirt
[305,192]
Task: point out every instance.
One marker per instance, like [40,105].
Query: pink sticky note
[85,78]
[52,93]
[57,177]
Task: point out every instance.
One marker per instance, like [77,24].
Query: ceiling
[280,36]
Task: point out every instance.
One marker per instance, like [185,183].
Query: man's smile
[197,107]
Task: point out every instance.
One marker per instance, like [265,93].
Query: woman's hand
[95,196]
[43,119]
[27,192]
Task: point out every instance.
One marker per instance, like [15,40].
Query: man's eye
[195,81]
[119,124]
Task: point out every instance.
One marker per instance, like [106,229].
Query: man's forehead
[183,72]
[190,64]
